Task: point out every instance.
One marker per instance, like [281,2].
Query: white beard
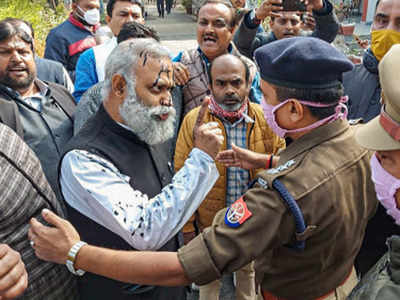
[144,120]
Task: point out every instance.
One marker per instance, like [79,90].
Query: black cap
[302,62]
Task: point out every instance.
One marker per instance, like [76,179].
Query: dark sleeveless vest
[47,131]
[149,171]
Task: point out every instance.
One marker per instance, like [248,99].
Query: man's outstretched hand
[207,137]
[242,158]
[52,243]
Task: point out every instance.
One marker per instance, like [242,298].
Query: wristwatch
[71,258]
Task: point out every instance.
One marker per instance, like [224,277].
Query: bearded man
[113,171]
[243,124]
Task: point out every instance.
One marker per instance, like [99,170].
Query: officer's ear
[297,111]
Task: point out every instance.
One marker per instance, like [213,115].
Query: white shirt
[96,188]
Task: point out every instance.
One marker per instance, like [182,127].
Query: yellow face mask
[382,41]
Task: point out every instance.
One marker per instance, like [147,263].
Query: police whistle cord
[294,208]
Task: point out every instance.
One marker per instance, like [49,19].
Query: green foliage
[37,12]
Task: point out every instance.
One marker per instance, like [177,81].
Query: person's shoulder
[87,56]
[48,63]
[58,30]
[189,56]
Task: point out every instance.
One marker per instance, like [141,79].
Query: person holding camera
[285,21]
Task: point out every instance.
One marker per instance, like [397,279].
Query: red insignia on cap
[237,214]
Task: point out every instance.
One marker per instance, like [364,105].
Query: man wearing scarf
[364,91]
[242,124]
[362,83]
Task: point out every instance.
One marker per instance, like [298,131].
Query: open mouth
[17,71]
[209,39]
[161,117]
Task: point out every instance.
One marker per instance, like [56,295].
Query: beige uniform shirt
[328,175]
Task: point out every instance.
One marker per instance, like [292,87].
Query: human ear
[118,84]
[108,19]
[296,111]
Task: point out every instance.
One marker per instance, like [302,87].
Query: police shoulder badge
[237,214]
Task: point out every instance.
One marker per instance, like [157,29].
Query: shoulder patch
[263,183]
[281,168]
[237,214]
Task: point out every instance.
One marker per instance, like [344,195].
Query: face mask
[92,16]
[386,186]
[269,114]
[382,41]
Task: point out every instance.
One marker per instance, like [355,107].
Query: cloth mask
[269,115]
[91,16]
[382,41]
[228,115]
[386,186]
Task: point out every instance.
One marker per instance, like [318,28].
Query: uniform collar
[314,138]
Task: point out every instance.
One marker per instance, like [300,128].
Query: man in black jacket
[283,24]
[40,112]
[362,83]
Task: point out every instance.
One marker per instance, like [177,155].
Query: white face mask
[91,16]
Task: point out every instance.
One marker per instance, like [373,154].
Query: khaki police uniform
[328,175]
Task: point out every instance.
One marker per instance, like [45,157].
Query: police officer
[382,134]
[302,221]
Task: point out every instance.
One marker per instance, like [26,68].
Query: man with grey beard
[115,175]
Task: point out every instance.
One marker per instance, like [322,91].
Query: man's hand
[207,137]
[13,275]
[52,243]
[268,8]
[181,73]
[242,158]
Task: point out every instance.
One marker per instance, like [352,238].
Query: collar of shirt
[35,100]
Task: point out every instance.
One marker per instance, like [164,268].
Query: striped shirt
[237,178]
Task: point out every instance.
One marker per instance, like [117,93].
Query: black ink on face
[164,69]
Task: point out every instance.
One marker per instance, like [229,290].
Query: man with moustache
[40,112]
[242,123]
[216,23]
[115,174]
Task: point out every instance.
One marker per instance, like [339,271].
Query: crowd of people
[130,174]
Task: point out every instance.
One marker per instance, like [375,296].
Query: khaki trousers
[245,286]
[340,293]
